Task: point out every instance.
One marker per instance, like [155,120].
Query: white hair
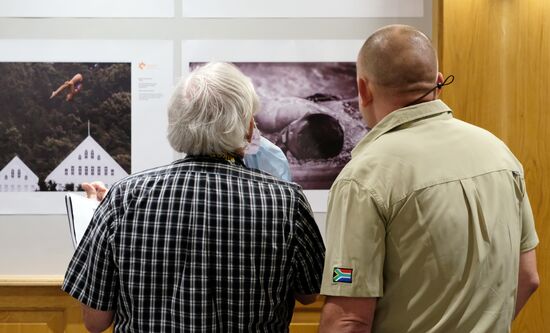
[210,111]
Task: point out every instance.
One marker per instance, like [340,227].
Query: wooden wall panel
[499,51]
[27,308]
[306,317]
[30,305]
[32,321]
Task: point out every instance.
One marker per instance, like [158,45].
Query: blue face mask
[268,158]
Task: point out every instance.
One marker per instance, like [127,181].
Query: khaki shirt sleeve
[529,238]
[355,235]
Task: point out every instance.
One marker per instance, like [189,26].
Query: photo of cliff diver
[64,123]
[310,110]
[74,85]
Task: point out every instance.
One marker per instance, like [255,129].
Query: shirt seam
[442,181]
[372,193]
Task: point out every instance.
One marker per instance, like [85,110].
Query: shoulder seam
[370,190]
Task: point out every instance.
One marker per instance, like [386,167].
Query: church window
[92,170]
[86,153]
[92,154]
[106,171]
[80,170]
[98,157]
[72,170]
[79,157]
[12,173]
[18,173]
[66,172]
[112,172]
[98,170]
[85,171]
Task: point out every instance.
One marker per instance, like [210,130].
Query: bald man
[429,226]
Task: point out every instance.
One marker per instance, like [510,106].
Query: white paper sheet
[86,8]
[79,212]
[151,81]
[303,8]
[273,51]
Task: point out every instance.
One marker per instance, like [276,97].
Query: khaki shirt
[430,215]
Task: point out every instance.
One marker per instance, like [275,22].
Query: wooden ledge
[31,280]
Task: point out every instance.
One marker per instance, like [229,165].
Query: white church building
[16,176]
[88,162]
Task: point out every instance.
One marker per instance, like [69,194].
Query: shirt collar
[231,159]
[409,114]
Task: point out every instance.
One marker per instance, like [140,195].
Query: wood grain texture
[35,309]
[499,52]
[26,306]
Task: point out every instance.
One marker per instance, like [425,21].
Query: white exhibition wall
[85,8]
[303,8]
[32,243]
[41,245]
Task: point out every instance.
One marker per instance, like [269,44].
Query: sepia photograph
[310,110]
[62,124]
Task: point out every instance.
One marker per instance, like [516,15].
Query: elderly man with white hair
[204,244]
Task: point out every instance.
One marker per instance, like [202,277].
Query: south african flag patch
[342,275]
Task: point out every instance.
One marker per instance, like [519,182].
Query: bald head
[400,58]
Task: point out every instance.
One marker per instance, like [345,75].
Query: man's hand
[95,190]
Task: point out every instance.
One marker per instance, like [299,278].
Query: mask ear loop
[283,139]
[448,80]
[254,144]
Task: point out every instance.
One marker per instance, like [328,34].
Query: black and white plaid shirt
[201,245]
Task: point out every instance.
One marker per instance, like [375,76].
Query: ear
[250,130]
[365,93]
[439,81]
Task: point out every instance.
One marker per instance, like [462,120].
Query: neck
[239,153]
[227,156]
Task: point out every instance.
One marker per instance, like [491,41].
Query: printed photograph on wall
[310,110]
[62,124]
